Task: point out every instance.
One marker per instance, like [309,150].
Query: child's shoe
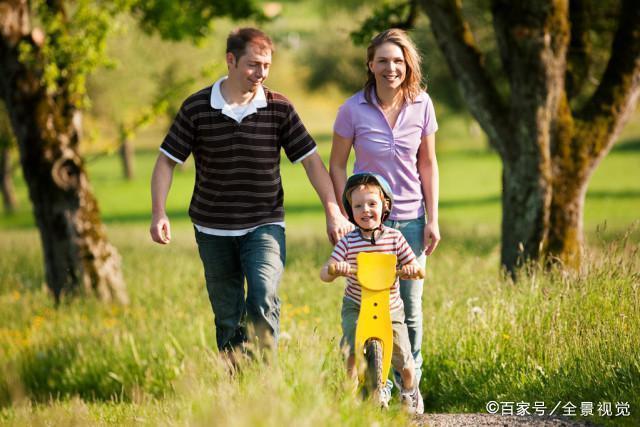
[382,396]
[412,401]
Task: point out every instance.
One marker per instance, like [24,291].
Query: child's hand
[411,271]
[341,268]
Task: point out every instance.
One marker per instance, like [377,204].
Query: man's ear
[231,59]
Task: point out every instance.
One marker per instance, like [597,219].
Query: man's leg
[225,285]
[262,254]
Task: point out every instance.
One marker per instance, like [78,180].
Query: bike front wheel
[374,381]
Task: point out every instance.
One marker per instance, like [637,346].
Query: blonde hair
[412,84]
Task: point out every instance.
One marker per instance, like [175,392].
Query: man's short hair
[239,39]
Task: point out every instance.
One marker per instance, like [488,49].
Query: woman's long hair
[412,84]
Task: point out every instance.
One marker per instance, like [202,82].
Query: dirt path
[455,420]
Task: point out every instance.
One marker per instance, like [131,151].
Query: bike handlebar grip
[419,274]
[332,270]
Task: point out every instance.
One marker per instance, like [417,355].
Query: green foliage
[177,20]
[73,44]
[388,15]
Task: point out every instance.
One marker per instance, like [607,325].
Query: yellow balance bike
[376,274]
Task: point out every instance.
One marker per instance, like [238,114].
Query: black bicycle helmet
[363,179]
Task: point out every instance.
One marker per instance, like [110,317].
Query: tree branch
[579,53]
[456,41]
[402,15]
[613,101]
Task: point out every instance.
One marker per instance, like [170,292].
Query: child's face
[367,205]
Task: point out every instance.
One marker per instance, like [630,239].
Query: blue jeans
[411,290]
[258,257]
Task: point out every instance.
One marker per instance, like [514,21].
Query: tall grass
[549,338]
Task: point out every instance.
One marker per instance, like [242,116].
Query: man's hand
[431,237]
[160,229]
[337,227]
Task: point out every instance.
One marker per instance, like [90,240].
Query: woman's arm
[429,176]
[340,149]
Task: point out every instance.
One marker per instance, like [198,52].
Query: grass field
[550,338]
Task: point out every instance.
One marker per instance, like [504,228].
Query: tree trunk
[6,181]
[525,218]
[127,157]
[78,257]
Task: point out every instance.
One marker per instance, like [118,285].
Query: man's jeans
[411,290]
[258,257]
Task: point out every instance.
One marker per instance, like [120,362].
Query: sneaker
[412,401]
[382,396]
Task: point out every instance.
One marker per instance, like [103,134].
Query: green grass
[550,338]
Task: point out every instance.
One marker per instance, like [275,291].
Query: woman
[391,126]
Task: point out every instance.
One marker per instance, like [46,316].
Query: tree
[7,142]
[550,130]
[43,71]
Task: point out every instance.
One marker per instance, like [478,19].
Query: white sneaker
[382,396]
[412,401]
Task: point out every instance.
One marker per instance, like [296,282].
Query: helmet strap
[379,228]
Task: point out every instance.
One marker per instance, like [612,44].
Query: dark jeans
[258,257]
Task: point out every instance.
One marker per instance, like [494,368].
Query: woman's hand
[411,271]
[431,237]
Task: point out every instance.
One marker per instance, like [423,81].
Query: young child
[368,200]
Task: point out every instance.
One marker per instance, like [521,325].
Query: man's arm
[337,224]
[340,149]
[160,184]
[429,175]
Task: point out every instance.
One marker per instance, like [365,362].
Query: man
[235,130]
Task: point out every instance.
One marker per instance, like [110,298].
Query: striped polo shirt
[238,184]
[390,242]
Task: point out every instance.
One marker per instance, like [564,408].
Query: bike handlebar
[332,270]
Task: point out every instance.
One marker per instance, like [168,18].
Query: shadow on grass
[628,145]
[85,367]
[452,389]
[23,219]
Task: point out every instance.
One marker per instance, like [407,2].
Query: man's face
[251,69]
[367,205]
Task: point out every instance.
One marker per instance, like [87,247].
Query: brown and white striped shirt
[390,242]
[238,184]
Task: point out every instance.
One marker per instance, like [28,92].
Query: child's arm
[341,269]
[411,270]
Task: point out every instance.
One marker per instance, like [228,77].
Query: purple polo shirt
[392,153]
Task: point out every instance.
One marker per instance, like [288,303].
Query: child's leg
[408,374]
[350,312]
[352,372]
[402,358]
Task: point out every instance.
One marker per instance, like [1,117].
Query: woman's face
[388,66]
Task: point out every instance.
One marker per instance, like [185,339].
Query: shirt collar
[219,103]
[363,100]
